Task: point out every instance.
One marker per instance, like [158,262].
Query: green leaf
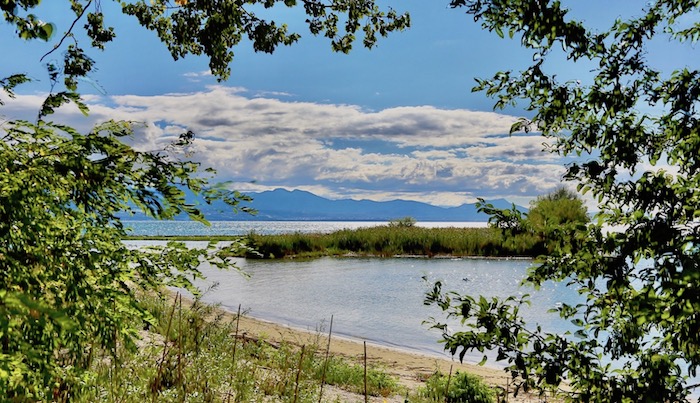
[499,31]
[46,31]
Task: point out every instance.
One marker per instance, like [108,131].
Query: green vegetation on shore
[510,233]
[195,353]
[384,241]
[387,241]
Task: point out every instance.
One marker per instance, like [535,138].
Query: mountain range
[299,205]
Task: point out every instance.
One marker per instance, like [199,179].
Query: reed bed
[382,241]
[387,241]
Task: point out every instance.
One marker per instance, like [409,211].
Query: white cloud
[197,76]
[445,157]
[273,94]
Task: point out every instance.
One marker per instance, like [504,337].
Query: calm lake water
[378,300]
[153,227]
[372,299]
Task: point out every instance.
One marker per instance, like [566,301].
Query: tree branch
[67,33]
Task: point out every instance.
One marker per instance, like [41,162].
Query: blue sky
[399,121]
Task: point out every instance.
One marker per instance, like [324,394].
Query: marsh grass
[383,241]
[387,241]
[460,387]
[190,353]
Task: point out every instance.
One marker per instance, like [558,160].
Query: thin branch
[67,33]
[316,3]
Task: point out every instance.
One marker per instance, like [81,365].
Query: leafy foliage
[9,83]
[556,209]
[392,241]
[462,387]
[509,220]
[214,27]
[405,222]
[67,282]
[636,333]
[556,218]
[549,218]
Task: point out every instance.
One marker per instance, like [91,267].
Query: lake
[372,299]
[153,227]
[379,300]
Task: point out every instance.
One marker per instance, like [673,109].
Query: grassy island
[382,241]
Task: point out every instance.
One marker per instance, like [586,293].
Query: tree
[635,129]
[405,222]
[68,284]
[547,225]
[554,214]
[556,209]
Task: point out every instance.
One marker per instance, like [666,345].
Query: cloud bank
[257,141]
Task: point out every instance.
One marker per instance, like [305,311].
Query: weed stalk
[447,388]
[179,352]
[296,382]
[325,361]
[233,354]
[156,382]
[366,395]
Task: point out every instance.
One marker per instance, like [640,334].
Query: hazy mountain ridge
[299,205]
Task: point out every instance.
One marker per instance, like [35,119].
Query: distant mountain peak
[287,205]
[300,205]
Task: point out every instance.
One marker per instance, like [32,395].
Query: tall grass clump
[284,245]
[461,387]
[192,352]
[350,376]
[394,240]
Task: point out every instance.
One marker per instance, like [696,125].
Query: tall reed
[389,241]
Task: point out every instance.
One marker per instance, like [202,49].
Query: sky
[396,122]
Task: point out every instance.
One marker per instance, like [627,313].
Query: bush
[463,388]
[350,377]
[406,222]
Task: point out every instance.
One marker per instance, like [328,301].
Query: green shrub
[463,388]
[350,377]
[405,222]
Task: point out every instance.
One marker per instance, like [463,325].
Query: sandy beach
[410,368]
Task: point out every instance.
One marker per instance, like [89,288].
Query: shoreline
[323,332]
[411,367]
